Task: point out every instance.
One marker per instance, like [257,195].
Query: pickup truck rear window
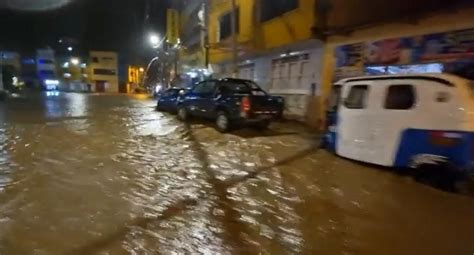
[240,88]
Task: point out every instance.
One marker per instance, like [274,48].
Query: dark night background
[117,25]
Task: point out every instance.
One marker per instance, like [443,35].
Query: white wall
[296,95]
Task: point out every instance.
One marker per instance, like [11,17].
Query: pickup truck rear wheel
[262,125]
[182,113]
[223,122]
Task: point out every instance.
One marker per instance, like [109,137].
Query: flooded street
[90,174]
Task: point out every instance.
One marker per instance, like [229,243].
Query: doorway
[100,86]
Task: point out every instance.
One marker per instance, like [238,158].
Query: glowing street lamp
[75,61]
[154,40]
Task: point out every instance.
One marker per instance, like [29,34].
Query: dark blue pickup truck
[230,103]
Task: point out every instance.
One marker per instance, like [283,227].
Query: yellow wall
[107,60]
[192,59]
[461,19]
[220,51]
[292,27]
[254,36]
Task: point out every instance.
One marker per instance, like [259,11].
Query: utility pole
[204,32]
[1,72]
[233,24]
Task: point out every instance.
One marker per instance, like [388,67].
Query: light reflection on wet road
[87,174]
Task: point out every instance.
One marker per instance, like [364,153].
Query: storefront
[439,42]
[451,52]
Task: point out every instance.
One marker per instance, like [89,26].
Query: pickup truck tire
[223,123]
[183,114]
[262,125]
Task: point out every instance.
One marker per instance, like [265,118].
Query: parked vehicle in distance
[167,100]
[230,103]
[404,121]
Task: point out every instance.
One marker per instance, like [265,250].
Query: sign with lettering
[444,47]
[172,26]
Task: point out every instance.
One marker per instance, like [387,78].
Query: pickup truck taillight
[245,106]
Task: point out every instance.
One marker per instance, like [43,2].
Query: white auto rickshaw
[404,120]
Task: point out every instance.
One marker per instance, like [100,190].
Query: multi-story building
[298,48]
[47,69]
[424,36]
[11,58]
[103,71]
[194,55]
[9,61]
[275,47]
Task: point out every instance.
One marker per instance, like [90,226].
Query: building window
[46,73]
[95,60]
[273,8]
[104,72]
[225,25]
[400,97]
[45,61]
[357,97]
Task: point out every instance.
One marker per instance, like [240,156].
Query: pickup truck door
[199,98]
[192,99]
[206,104]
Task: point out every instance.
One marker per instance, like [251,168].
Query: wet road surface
[89,174]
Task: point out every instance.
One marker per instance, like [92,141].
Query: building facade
[46,68]
[10,58]
[193,53]
[10,64]
[437,41]
[103,71]
[275,47]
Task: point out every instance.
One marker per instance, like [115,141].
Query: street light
[69,48]
[75,61]
[154,40]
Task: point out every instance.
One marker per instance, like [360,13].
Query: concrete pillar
[327,76]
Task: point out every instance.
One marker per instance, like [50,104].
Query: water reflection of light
[52,108]
[77,106]
[52,93]
[4,179]
[145,123]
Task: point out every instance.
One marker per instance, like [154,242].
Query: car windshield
[236,87]
[209,127]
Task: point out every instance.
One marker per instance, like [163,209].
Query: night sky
[119,25]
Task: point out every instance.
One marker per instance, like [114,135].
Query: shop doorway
[100,86]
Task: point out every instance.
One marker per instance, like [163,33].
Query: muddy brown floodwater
[89,174]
